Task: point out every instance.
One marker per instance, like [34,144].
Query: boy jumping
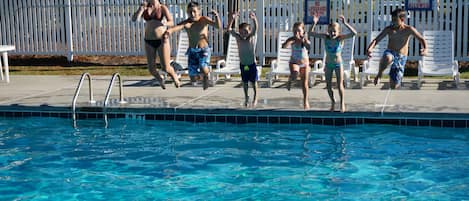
[246,39]
[199,51]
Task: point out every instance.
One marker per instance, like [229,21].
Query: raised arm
[352,33]
[215,23]
[230,30]
[167,15]
[252,15]
[306,43]
[311,31]
[288,42]
[139,11]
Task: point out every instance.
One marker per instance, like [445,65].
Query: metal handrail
[77,92]
[108,93]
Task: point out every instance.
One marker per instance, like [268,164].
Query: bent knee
[387,59]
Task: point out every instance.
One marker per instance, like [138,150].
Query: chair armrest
[420,65]
[455,68]
[349,65]
[273,64]
[318,65]
[259,70]
[365,65]
[220,63]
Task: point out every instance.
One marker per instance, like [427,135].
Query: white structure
[103,27]
[4,61]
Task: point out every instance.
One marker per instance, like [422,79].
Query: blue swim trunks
[333,65]
[249,72]
[199,58]
[397,66]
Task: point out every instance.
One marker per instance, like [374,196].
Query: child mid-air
[299,60]
[395,56]
[246,40]
[334,42]
[199,51]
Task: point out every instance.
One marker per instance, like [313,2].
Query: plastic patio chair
[371,66]
[230,65]
[349,64]
[180,64]
[280,66]
[439,60]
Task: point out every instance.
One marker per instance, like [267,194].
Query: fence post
[68,30]
[260,31]
[370,22]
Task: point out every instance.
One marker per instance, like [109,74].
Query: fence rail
[103,27]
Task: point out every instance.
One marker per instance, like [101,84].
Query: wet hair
[192,4]
[244,25]
[398,13]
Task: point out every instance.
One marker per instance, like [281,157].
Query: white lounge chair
[230,65]
[181,58]
[371,66]
[439,60]
[280,66]
[349,64]
[181,63]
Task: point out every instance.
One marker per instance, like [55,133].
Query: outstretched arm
[311,31]
[376,40]
[176,28]
[139,11]
[422,41]
[352,33]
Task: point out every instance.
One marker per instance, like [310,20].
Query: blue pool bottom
[133,159]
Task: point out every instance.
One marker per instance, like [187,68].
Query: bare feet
[306,106]
[332,106]
[161,82]
[205,82]
[376,81]
[394,85]
[177,83]
[342,107]
[246,101]
[254,103]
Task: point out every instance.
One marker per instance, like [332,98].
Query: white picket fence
[103,27]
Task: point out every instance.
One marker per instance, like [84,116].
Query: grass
[126,66]
[78,70]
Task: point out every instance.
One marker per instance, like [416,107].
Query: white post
[5,64]
[260,31]
[99,12]
[68,30]
[370,20]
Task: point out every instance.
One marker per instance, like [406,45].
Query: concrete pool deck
[435,96]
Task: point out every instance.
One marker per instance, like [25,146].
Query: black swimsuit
[154,43]
[155,15]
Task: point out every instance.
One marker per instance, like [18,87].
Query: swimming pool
[46,159]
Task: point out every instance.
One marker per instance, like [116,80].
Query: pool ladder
[91,99]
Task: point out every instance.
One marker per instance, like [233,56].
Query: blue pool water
[46,159]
